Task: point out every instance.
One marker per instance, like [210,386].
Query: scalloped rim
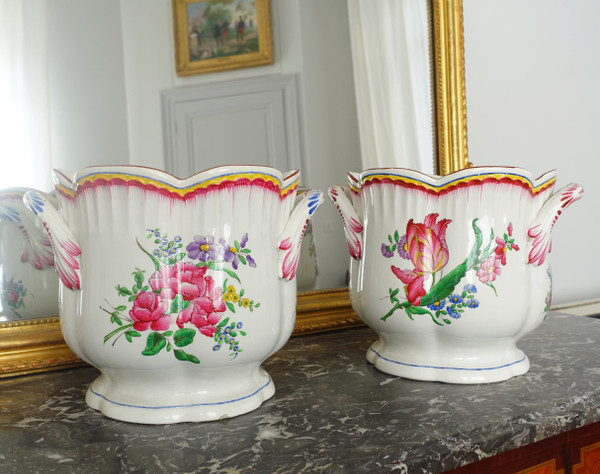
[459,178]
[162,180]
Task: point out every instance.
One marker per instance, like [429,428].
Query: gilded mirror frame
[38,346]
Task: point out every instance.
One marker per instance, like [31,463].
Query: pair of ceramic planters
[177,290]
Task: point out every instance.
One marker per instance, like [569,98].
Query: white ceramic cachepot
[175,289]
[28,282]
[450,271]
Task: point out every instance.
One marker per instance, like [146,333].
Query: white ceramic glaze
[177,290]
[450,271]
[28,282]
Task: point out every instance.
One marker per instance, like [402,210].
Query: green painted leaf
[122,291]
[154,344]
[472,258]
[129,335]
[242,259]
[121,308]
[116,331]
[444,288]
[167,333]
[245,251]
[230,306]
[176,304]
[181,355]
[184,337]
[223,323]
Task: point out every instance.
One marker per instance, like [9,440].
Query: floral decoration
[182,291]
[426,288]
[13,295]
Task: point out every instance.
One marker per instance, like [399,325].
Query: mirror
[37,345]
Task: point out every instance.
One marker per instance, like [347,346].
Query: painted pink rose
[505,244]
[148,310]
[13,297]
[185,279]
[428,250]
[489,270]
[205,311]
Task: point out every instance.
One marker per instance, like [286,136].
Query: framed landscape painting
[220,35]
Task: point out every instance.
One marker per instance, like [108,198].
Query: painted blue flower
[437,305]
[177,238]
[473,303]
[239,325]
[455,299]
[216,348]
[470,288]
[452,312]
[156,252]
[164,242]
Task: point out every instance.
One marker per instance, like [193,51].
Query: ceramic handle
[66,250]
[540,230]
[38,251]
[290,240]
[352,226]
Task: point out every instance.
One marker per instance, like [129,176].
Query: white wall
[114,57]
[532,78]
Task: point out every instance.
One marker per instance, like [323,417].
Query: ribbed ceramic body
[178,297]
[446,270]
[28,282]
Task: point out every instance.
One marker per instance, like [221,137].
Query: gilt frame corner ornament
[34,346]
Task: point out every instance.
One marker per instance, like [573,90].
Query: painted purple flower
[237,252]
[386,252]
[203,248]
[403,248]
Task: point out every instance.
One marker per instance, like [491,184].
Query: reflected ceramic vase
[450,271]
[177,290]
[29,284]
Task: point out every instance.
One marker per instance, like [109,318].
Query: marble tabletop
[332,412]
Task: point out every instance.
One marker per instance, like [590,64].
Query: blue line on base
[447,368]
[182,406]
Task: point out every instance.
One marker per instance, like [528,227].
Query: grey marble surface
[332,412]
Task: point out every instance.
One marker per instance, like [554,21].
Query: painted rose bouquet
[183,291]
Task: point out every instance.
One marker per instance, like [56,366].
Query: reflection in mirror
[28,282]
[104,95]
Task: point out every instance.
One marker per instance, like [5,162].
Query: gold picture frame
[37,345]
[213,36]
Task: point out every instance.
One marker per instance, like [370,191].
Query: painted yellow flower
[245,302]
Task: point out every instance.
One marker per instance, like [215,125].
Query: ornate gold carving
[450,94]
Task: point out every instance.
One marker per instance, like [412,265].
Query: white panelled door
[252,121]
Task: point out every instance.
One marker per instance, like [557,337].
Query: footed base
[175,401]
[446,367]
